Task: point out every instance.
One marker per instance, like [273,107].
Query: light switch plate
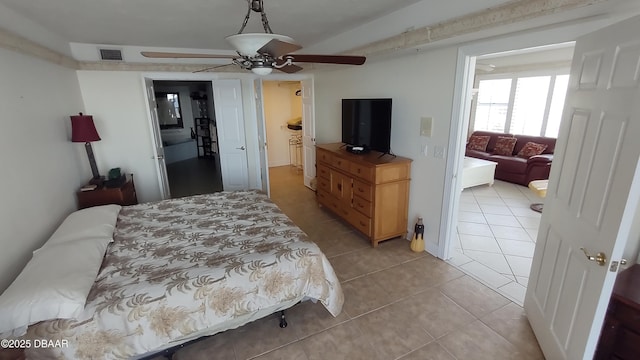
[426,125]
[438,152]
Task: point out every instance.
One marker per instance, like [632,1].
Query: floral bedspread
[179,266]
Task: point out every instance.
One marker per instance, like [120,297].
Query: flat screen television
[366,124]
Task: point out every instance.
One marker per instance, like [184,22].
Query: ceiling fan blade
[212,67]
[290,69]
[171,55]
[328,59]
[277,48]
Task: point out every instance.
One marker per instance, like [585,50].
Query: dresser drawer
[628,316]
[323,197]
[362,205]
[361,171]
[340,163]
[326,199]
[362,190]
[627,345]
[324,156]
[323,172]
[324,184]
[361,222]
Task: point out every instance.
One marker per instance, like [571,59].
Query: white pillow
[98,221]
[54,284]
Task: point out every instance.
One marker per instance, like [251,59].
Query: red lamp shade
[83,129]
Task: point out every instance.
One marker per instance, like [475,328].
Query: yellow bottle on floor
[417,243]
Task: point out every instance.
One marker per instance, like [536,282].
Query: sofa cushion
[510,164]
[524,139]
[530,149]
[477,154]
[504,146]
[478,142]
[493,138]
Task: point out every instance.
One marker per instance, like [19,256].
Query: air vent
[110,54]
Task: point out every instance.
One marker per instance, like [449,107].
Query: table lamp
[83,130]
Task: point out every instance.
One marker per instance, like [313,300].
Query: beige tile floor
[496,236]
[398,304]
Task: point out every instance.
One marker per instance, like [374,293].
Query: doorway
[519,92]
[191,151]
[282,102]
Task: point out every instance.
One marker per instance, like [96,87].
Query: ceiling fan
[263,52]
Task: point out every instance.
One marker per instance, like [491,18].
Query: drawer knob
[362,223]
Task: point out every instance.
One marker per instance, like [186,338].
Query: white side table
[477,172]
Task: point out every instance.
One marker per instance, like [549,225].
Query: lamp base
[97,181]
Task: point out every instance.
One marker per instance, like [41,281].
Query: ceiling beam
[506,14]
[11,41]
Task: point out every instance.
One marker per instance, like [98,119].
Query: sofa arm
[538,167]
[540,159]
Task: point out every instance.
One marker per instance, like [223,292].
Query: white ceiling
[204,23]
[73,27]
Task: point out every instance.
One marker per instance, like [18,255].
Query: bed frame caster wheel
[283,321]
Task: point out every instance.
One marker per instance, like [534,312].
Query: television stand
[370,193]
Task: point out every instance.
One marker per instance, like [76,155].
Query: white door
[158,157]
[594,191]
[227,98]
[262,137]
[308,133]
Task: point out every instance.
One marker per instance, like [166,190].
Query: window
[169,115]
[522,105]
[493,102]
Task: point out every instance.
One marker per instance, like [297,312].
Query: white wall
[420,85]
[117,102]
[119,108]
[280,106]
[41,168]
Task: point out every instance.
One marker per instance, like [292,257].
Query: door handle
[159,157]
[600,257]
[241,147]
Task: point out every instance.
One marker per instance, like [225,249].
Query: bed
[185,268]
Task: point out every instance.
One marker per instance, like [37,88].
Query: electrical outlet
[438,152]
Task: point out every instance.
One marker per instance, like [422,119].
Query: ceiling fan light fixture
[261,71]
[249,43]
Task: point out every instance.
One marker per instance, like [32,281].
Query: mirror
[169,115]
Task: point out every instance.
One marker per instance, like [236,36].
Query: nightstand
[123,195]
[620,335]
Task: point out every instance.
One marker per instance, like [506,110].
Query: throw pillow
[504,146]
[530,149]
[478,142]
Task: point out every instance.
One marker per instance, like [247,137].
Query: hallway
[194,176]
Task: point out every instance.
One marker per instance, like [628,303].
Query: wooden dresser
[369,191]
[620,336]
